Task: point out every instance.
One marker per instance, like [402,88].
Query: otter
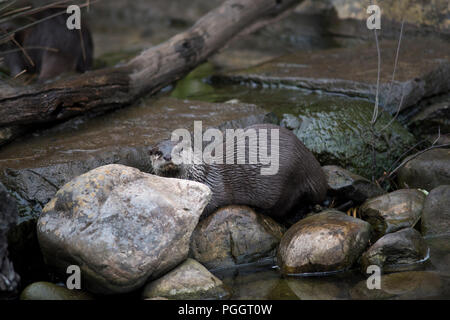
[299,179]
[50,47]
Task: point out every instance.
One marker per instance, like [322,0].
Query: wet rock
[433,117]
[336,131]
[348,185]
[121,226]
[188,281]
[235,235]
[9,279]
[436,212]
[328,241]
[399,251]
[427,171]
[50,291]
[394,211]
[401,285]
[424,73]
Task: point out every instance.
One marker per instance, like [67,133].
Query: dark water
[430,280]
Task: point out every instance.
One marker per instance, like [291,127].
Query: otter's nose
[167,158]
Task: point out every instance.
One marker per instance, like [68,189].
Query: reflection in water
[265,282]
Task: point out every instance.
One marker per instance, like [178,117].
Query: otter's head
[161,160]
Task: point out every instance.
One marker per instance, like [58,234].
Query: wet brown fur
[299,180]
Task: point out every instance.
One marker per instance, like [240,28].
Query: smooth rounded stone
[51,291]
[235,235]
[399,251]
[393,211]
[190,280]
[428,171]
[401,285]
[9,279]
[121,226]
[328,241]
[436,212]
[351,186]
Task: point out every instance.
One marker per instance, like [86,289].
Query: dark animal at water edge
[48,48]
[299,180]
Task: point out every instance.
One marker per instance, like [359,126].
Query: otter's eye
[156,153]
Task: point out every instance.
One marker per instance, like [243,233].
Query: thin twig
[7,5]
[37,10]
[388,99]
[376,108]
[406,152]
[3,53]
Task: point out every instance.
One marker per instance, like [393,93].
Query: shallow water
[265,282]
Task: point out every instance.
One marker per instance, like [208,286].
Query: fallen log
[146,74]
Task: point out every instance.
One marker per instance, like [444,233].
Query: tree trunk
[147,73]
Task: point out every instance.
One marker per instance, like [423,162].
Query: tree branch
[147,73]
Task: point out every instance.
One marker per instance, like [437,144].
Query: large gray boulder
[328,241]
[436,212]
[121,226]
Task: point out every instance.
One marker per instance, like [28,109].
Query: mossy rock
[337,132]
